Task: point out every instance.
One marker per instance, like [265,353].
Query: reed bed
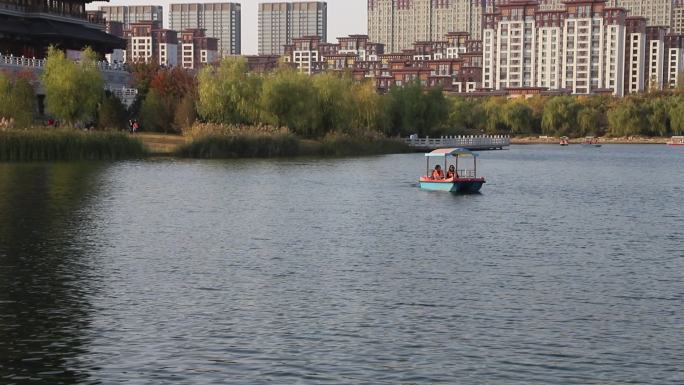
[361,145]
[260,144]
[246,145]
[68,145]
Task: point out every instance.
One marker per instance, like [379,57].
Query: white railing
[467,141]
[21,61]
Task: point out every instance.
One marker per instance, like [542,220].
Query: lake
[568,268]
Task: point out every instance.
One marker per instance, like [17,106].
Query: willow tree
[288,99]
[17,100]
[73,90]
[560,116]
[228,94]
[677,116]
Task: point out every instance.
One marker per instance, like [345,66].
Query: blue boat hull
[462,187]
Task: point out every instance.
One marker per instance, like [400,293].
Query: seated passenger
[437,173]
[451,174]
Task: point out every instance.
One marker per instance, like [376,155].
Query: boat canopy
[443,152]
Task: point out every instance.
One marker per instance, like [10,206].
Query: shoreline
[602,140]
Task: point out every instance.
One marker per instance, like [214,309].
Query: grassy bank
[44,145]
[269,145]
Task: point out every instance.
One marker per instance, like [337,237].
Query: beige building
[399,23]
[148,42]
[280,23]
[128,14]
[222,21]
[678,16]
[581,49]
[656,12]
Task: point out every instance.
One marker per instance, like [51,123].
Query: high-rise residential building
[219,20]
[657,12]
[400,23]
[677,16]
[280,23]
[128,14]
[588,47]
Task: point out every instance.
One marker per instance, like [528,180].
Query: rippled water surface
[567,269]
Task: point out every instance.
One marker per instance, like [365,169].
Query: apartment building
[663,58]
[426,61]
[280,23]
[148,42]
[580,49]
[399,23]
[656,12]
[197,49]
[222,21]
[635,51]
[677,25]
[305,54]
[128,14]
[674,59]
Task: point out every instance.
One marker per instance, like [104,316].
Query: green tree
[414,110]
[658,118]
[676,113]
[560,116]
[228,94]
[72,90]
[17,100]
[335,101]
[370,109]
[629,117]
[289,100]
[186,114]
[494,110]
[111,113]
[519,117]
[155,113]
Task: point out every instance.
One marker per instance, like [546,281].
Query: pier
[470,142]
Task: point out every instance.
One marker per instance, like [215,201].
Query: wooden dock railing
[470,142]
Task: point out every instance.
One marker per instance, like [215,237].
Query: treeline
[173,99]
[312,106]
[652,114]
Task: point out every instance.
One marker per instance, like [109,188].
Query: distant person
[451,174]
[136,126]
[437,173]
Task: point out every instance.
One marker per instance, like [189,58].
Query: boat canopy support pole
[456,163]
[427,167]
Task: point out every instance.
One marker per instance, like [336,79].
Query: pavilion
[29,27]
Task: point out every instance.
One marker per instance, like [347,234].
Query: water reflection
[43,277]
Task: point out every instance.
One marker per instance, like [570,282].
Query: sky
[345,17]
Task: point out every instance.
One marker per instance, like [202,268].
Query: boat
[676,141]
[564,141]
[466,181]
[591,141]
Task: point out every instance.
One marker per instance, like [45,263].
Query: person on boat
[437,173]
[451,174]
